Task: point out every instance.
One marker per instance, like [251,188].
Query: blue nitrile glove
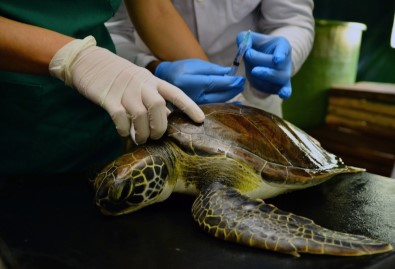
[268,63]
[202,81]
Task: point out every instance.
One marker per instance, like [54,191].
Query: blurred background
[344,95]
[377,57]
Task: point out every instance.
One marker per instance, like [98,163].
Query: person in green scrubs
[66,98]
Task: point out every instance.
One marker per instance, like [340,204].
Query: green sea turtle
[237,157]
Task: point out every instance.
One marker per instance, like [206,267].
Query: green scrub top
[47,127]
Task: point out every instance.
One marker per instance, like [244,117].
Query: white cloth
[216,23]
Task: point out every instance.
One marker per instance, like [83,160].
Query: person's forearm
[163,30]
[152,66]
[26,48]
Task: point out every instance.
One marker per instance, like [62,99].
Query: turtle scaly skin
[237,157]
[226,214]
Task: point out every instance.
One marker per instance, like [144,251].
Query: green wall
[377,58]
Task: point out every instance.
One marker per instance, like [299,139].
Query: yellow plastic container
[333,60]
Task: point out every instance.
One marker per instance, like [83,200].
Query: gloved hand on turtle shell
[202,81]
[134,98]
[268,63]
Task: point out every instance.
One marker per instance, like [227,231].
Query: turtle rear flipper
[225,213]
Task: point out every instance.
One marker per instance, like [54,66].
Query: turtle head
[131,182]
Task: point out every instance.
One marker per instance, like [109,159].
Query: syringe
[239,55]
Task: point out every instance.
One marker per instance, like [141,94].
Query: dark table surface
[52,222]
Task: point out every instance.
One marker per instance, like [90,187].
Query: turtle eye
[120,190]
[138,195]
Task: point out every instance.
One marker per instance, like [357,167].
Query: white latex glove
[134,98]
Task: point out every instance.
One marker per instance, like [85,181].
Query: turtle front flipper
[226,214]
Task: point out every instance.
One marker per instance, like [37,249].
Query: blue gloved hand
[268,63]
[202,81]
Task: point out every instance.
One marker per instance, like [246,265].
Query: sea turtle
[237,157]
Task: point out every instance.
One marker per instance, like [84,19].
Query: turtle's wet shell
[254,136]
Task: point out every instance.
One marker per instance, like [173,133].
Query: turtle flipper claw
[226,214]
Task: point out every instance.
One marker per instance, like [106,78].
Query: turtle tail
[226,214]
